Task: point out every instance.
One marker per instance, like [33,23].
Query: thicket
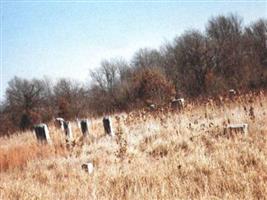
[226,55]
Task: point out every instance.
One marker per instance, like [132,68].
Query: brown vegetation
[155,155]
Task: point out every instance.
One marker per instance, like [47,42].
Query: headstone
[84,126]
[60,123]
[88,167]
[178,103]
[236,128]
[152,107]
[232,93]
[78,123]
[42,133]
[68,131]
[108,126]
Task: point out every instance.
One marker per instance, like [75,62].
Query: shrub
[151,85]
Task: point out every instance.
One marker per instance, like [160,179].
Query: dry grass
[164,155]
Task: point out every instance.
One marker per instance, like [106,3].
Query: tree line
[226,55]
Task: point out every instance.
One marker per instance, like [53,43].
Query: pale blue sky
[66,39]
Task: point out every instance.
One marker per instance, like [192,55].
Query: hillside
[158,155]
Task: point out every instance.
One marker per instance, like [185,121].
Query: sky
[68,38]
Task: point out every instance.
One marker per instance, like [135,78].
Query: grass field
[155,155]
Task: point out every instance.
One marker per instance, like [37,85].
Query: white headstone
[60,123]
[68,131]
[241,128]
[232,93]
[78,123]
[88,167]
[152,106]
[178,103]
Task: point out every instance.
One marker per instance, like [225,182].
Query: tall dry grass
[156,155]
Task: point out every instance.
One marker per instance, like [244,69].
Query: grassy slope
[157,156]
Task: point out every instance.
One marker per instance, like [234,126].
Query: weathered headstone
[178,103]
[60,123]
[108,126]
[236,128]
[88,167]
[78,123]
[68,131]
[232,93]
[152,107]
[42,133]
[84,126]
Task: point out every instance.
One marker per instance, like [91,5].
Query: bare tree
[147,58]
[70,98]
[192,65]
[110,83]
[24,100]
[225,38]
[106,76]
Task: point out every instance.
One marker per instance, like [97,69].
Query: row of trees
[38,100]
[227,55]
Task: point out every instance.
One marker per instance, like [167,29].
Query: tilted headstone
[232,93]
[108,126]
[88,167]
[236,128]
[152,107]
[42,133]
[60,123]
[78,123]
[68,131]
[178,103]
[84,126]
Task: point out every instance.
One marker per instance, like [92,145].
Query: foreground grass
[157,156]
